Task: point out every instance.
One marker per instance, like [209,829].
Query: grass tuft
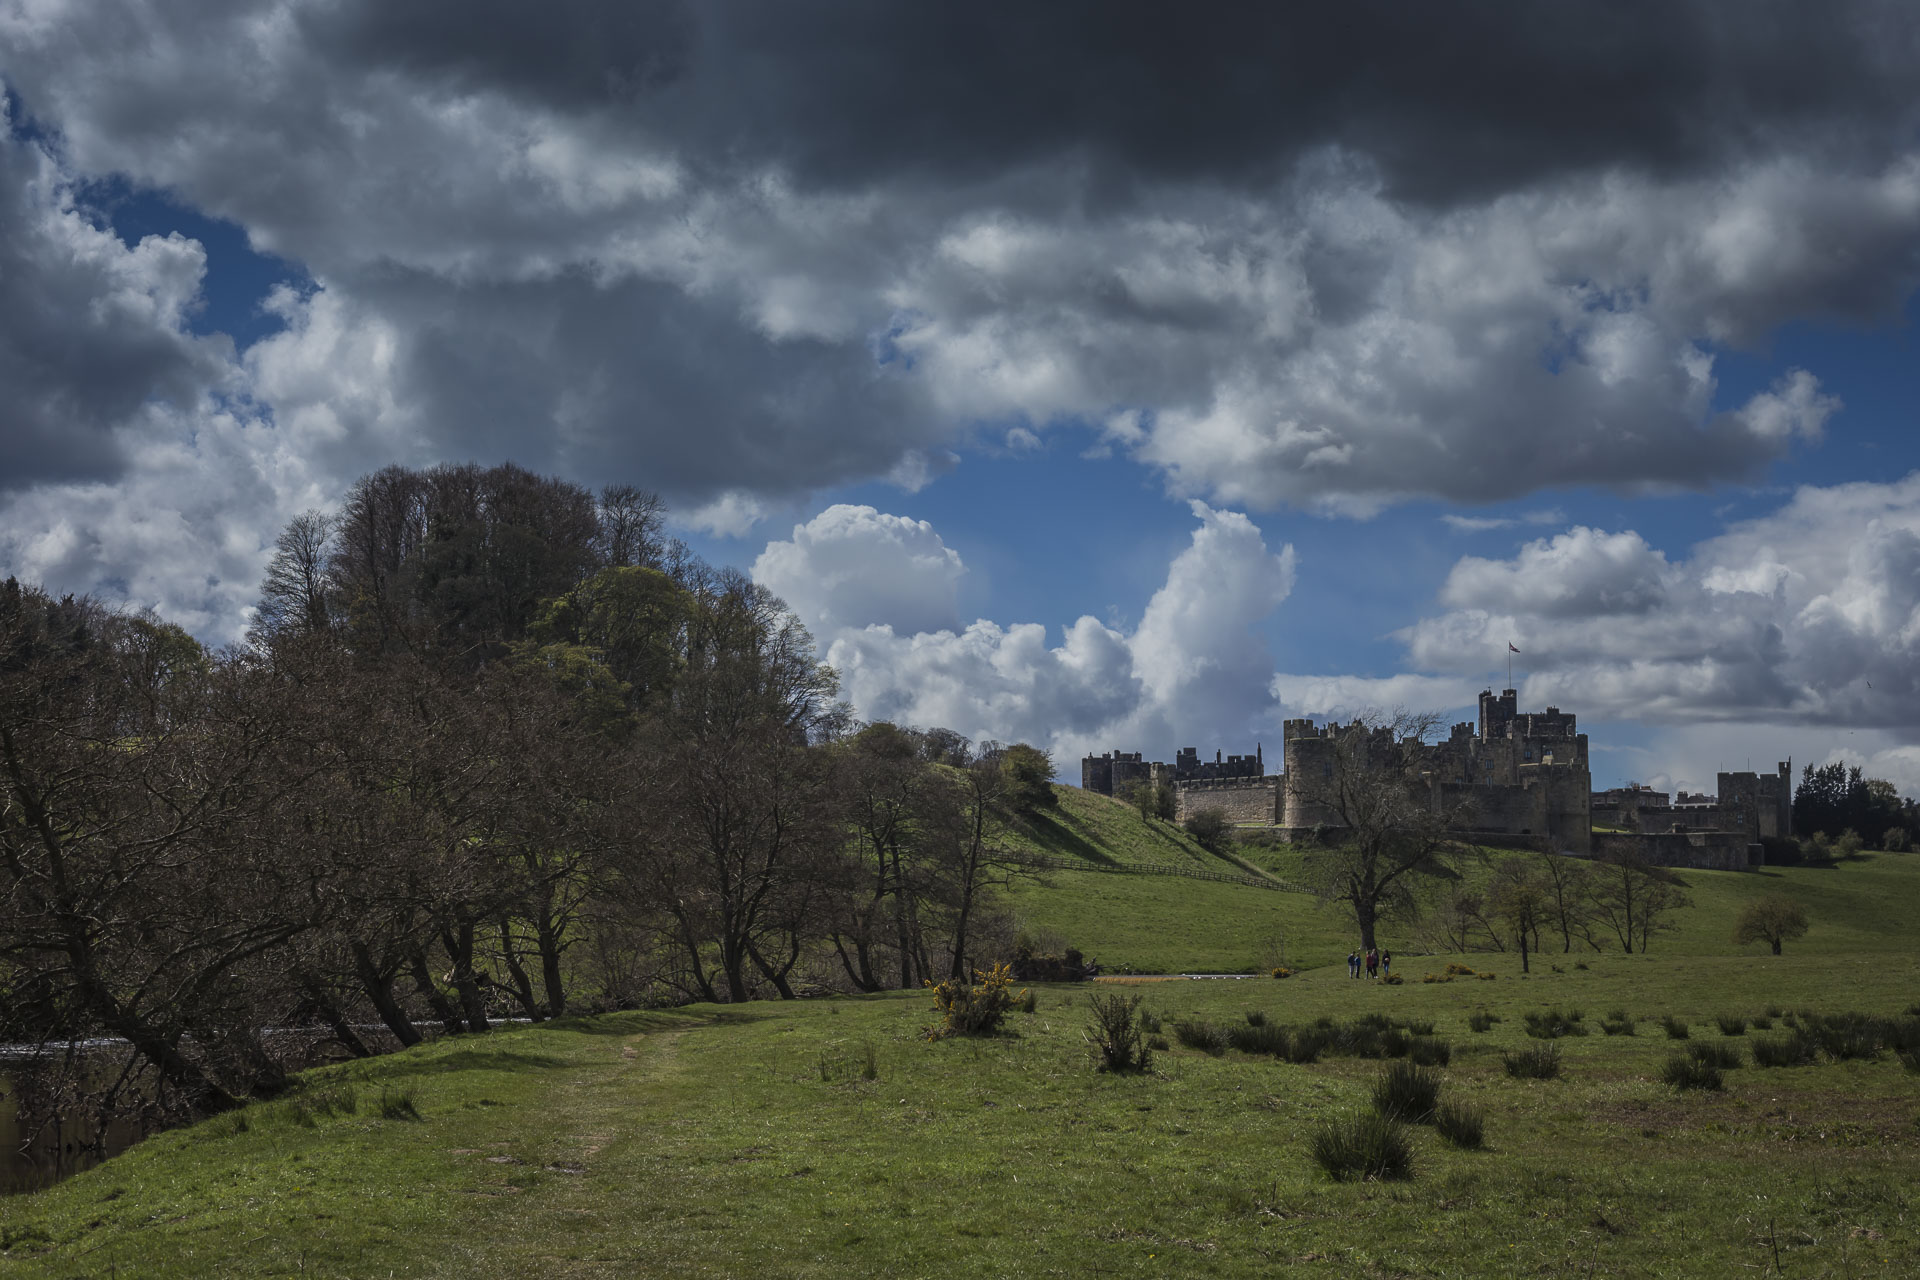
[1723,1057]
[1369,1146]
[1551,1024]
[1790,1050]
[1676,1028]
[1686,1071]
[1535,1062]
[397,1104]
[1731,1024]
[1430,1052]
[1462,1125]
[1406,1092]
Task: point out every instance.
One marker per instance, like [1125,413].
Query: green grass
[754,1140]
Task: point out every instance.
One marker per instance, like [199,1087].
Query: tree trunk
[378,984]
[466,981]
[522,986]
[1776,946]
[551,978]
[430,991]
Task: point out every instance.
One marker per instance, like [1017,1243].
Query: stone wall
[1701,850]
[1239,799]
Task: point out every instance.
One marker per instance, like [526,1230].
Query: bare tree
[1520,898]
[293,598]
[1636,899]
[1387,828]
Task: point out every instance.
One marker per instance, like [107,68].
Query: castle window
[1326,768]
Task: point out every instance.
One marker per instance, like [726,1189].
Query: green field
[756,1140]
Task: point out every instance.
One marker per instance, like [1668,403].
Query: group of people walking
[1377,963]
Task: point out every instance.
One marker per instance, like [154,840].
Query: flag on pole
[1510,648]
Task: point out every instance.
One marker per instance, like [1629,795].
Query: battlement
[1111,772]
[1224,784]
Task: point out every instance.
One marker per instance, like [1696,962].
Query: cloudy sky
[1096,374]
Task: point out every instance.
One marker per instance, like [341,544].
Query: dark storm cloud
[1452,101]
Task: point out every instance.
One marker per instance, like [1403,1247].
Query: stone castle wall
[1699,850]
[1249,800]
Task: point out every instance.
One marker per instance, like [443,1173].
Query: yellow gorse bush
[976,1010]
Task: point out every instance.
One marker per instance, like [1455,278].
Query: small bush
[1793,1050]
[1157,1043]
[1462,1125]
[1406,1092]
[1259,1038]
[1535,1062]
[1417,1026]
[1457,970]
[1116,1035]
[1675,1028]
[1256,1019]
[1306,1046]
[1731,1025]
[1393,979]
[977,1010]
[1725,1057]
[1896,840]
[397,1104]
[1150,1022]
[1283,972]
[1911,1061]
[1368,1146]
[1761,1022]
[1685,1071]
[1618,1023]
[1488,977]
[1482,1021]
[1028,1001]
[1429,1052]
[1551,1024]
[1204,1036]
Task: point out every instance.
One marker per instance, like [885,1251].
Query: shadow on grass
[466,1060]
[1056,837]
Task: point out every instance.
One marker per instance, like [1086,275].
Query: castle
[1517,779]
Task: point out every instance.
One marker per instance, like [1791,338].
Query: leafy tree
[1029,773]
[1773,920]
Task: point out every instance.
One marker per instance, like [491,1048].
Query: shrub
[1488,977]
[1283,972]
[1368,1146]
[1393,979]
[1460,1124]
[1203,1036]
[1618,1023]
[1417,1026]
[1675,1028]
[1911,1061]
[1028,1001]
[1731,1025]
[1116,1035]
[1306,1046]
[1482,1021]
[1150,1022]
[1457,970]
[1031,964]
[1685,1071]
[1724,1057]
[1259,1038]
[1793,1050]
[1157,1043]
[978,1010]
[1896,840]
[1406,1092]
[1551,1024]
[1255,1018]
[1761,1022]
[1429,1052]
[1209,829]
[1535,1062]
